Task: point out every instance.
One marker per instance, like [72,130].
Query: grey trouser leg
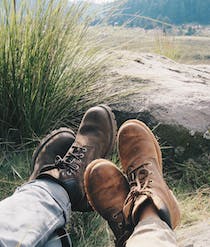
[33,213]
[152,232]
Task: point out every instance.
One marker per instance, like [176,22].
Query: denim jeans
[31,216]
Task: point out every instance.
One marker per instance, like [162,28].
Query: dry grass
[187,49]
[166,45]
[195,206]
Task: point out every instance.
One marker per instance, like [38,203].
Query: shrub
[47,66]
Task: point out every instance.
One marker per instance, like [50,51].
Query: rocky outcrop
[171,93]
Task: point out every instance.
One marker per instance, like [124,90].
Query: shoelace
[70,162]
[140,183]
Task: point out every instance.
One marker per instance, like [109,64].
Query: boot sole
[86,178]
[157,146]
[45,140]
[113,123]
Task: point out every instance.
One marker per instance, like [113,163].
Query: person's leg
[149,209]
[40,207]
[151,231]
[150,206]
[33,213]
[56,143]
[107,190]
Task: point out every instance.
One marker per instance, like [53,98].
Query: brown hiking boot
[106,189]
[56,143]
[140,159]
[95,139]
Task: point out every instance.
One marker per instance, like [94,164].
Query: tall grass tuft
[47,67]
[166,45]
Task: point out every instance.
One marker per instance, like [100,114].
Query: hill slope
[175,12]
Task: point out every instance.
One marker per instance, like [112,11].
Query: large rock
[171,93]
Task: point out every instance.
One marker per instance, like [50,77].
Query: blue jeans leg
[33,213]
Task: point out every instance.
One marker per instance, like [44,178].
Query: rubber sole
[113,122]
[86,178]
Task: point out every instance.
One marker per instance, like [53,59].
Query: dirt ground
[196,235]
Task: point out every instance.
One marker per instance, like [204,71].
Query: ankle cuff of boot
[51,178]
[71,188]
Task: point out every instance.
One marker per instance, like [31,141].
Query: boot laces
[71,161]
[140,183]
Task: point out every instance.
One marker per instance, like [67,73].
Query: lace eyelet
[114,216]
[81,155]
[84,149]
[77,167]
[130,168]
[57,157]
[120,225]
[68,173]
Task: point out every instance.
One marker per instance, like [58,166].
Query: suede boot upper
[106,190]
[140,159]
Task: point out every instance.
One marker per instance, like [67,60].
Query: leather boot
[140,159]
[56,143]
[95,139]
[106,189]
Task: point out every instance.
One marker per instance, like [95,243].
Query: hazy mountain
[172,11]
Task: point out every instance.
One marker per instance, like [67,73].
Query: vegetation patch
[47,67]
